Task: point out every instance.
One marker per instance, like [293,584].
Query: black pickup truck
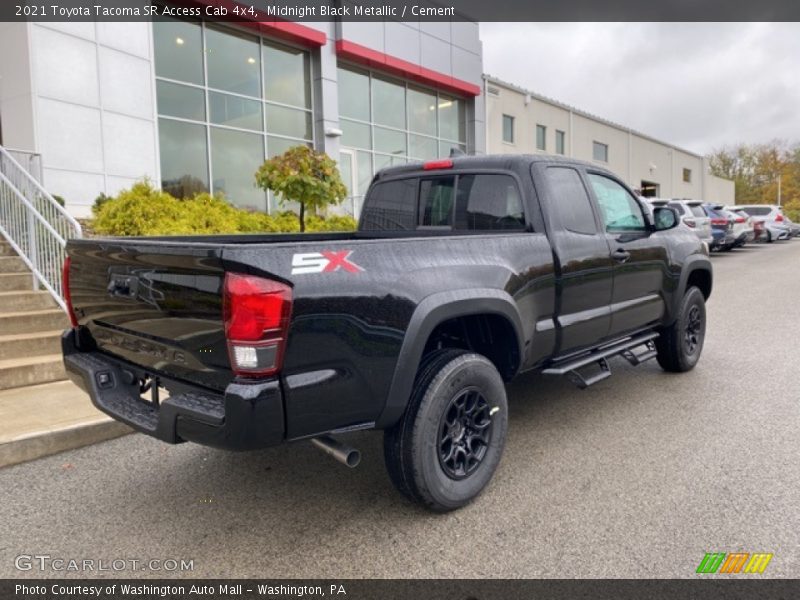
[464,273]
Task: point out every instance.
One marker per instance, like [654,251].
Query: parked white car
[772,217]
[742,231]
[691,214]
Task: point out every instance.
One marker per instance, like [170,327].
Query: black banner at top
[401,10]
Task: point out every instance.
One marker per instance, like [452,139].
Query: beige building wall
[634,157]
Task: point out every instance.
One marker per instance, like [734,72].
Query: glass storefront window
[423,148]
[390,141]
[287,75]
[408,122]
[235,111]
[452,125]
[356,135]
[288,121]
[184,157]
[446,147]
[233,62]
[388,103]
[353,94]
[182,101]
[243,111]
[178,49]
[235,156]
[421,111]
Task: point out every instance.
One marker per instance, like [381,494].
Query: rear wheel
[446,447]
[769,236]
[679,346]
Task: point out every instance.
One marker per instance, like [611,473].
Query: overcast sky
[696,85]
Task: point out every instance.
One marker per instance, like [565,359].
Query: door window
[572,204]
[620,210]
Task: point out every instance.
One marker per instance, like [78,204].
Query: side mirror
[665,218]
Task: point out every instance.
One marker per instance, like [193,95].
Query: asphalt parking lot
[638,476]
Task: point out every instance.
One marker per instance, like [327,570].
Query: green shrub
[145,210]
[99,201]
[331,223]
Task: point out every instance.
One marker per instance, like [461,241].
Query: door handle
[620,255]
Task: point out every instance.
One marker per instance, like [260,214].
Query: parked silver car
[694,217]
[743,218]
[772,217]
[794,228]
[742,226]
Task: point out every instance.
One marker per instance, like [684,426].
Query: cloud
[696,85]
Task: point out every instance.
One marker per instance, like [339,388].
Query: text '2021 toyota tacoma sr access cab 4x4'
[464,273]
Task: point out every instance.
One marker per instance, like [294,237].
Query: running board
[599,357]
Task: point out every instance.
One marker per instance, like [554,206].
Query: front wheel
[446,447]
[679,346]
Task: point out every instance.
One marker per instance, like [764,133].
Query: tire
[679,346]
[438,424]
[769,236]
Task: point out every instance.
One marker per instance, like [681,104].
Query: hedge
[145,210]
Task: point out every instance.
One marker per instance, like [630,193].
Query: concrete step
[46,419]
[33,320]
[31,370]
[15,281]
[12,264]
[17,300]
[6,249]
[21,345]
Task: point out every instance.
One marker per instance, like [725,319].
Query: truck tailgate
[158,306]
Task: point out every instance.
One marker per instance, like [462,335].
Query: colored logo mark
[734,562]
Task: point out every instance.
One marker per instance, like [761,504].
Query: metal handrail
[35,225]
[30,161]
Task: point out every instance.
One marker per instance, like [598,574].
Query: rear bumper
[246,416]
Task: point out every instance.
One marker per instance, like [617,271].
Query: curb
[52,441]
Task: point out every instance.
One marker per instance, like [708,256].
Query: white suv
[772,217]
[692,214]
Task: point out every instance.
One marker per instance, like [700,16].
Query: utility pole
[779,189]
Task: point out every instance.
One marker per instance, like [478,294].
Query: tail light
[719,221]
[779,218]
[256,312]
[740,219]
[66,293]
[690,222]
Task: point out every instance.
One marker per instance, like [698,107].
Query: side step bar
[600,356]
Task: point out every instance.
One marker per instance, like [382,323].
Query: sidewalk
[45,419]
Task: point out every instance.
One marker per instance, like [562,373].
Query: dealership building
[92,107]
[521,121]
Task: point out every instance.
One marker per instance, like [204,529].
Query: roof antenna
[456,152]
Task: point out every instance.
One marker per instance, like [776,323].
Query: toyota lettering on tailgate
[326,261]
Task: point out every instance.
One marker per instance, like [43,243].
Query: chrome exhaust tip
[342,452]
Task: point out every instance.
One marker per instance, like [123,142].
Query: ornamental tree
[302,175]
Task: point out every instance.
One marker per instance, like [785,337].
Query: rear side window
[677,206]
[572,204]
[697,211]
[436,202]
[464,202]
[391,206]
[488,202]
